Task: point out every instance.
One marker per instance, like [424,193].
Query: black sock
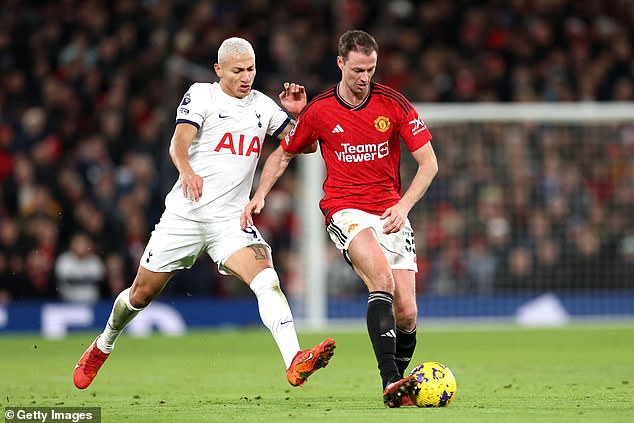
[405,346]
[382,331]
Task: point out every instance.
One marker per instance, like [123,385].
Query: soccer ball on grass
[436,385]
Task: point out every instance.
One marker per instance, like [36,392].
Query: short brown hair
[357,40]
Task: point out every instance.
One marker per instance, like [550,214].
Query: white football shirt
[226,149]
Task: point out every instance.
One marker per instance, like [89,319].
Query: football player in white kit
[216,145]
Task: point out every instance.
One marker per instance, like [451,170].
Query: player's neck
[351,97]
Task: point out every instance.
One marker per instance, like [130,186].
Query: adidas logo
[389,334]
[337,130]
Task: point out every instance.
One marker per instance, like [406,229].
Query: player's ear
[340,62]
[218,70]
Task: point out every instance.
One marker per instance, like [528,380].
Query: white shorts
[176,242]
[399,247]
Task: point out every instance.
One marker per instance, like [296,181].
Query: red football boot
[307,362]
[88,365]
[396,392]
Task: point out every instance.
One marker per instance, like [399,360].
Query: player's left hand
[293,98]
[395,218]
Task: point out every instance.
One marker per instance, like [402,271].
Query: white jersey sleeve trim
[281,128]
[193,107]
[188,121]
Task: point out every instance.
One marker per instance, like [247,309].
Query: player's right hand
[192,186]
[293,98]
[395,218]
[255,206]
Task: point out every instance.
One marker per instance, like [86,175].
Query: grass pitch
[576,374]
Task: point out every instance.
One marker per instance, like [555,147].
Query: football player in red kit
[358,125]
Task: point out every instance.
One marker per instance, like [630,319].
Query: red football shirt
[360,146]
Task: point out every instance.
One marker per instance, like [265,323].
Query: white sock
[275,313]
[122,313]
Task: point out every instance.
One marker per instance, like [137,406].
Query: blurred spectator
[40,283]
[13,250]
[91,220]
[79,272]
[517,275]
[41,256]
[448,273]
[587,269]
[481,265]
[551,274]
[627,256]
[6,151]
[116,274]
[19,187]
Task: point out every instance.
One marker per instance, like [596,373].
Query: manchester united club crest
[352,227]
[382,123]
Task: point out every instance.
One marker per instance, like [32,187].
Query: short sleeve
[413,131]
[193,107]
[279,119]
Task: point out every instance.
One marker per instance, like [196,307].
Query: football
[436,385]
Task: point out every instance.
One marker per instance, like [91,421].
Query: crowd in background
[87,106]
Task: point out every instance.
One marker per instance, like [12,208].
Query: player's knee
[406,317]
[266,280]
[405,312]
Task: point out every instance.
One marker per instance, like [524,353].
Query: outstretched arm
[427,168]
[274,167]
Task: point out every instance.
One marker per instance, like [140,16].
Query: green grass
[576,374]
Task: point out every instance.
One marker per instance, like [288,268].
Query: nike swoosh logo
[310,357]
[77,366]
[283,323]
[221,116]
